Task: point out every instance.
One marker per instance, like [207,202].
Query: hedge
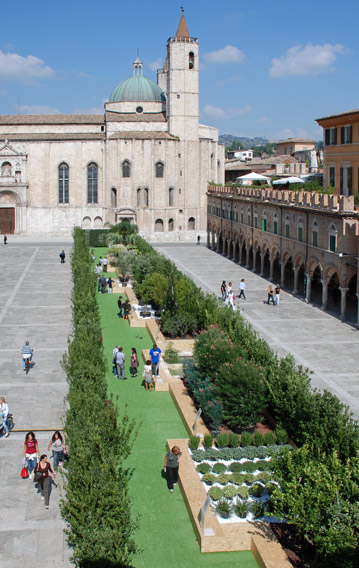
[96,237]
[96,506]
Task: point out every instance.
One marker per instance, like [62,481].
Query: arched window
[191,224]
[249,216]
[191,60]
[126,169]
[170,225]
[264,221]
[255,215]
[287,226]
[6,169]
[171,197]
[275,223]
[92,183]
[315,233]
[139,194]
[333,238]
[113,197]
[63,176]
[159,170]
[145,196]
[212,160]
[300,230]
[242,215]
[159,226]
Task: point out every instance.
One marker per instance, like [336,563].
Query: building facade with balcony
[341,151]
[307,242]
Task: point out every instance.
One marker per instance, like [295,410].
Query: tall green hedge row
[96,505]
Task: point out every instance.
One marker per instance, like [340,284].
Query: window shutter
[350,178]
[335,136]
[342,135]
[350,134]
[327,136]
[341,180]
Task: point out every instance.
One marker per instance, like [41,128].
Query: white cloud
[306,60]
[233,79]
[228,54]
[157,64]
[262,119]
[24,69]
[38,109]
[218,112]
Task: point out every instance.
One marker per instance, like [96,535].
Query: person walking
[198,239]
[126,310]
[155,354]
[242,287]
[44,468]
[104,263]
[110,283]
[134,362]
[120,306]
[147,375]
[31,452]
[58,448]
[270,295]
[102,282]
[5,240]
[277,294]
[4,414]
[120,364]
[224,290]
[171,467]
[62,257]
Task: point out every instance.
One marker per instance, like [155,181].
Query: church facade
[146,158]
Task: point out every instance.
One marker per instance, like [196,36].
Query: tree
[123,232]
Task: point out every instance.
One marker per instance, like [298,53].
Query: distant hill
[229,139]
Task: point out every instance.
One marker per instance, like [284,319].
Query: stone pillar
[223,246]
[247,257]
[296,272]
[282,271]
[308,287]
[271,269]
[208,238]
[263,256]
[343,303]
[233,250]
[240,253]
[325,283]
[218,245]
[254,261]
[357,295]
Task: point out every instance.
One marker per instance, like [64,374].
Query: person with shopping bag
[31,452]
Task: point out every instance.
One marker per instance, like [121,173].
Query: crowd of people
[229,297]
[151,367]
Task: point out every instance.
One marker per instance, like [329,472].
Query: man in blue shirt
[26,353]
[155,354]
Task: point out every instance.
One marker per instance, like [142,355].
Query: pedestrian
[44,468]
[198,239]
[5,240]
[102,282]
[147,375]
[126,310]
[120,306]
[114,353]
[31,452]
[92,255]
[120,364]
[242,287]
[134,362]
[100,261]
[58,448]
[277,294]
[97,270]
[171,467]
[62,256]
[155,354]
[4,414]
[110,283]
[224,290]
[104,264]
[270,295]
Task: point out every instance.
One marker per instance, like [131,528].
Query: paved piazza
[35,306]
[317,339]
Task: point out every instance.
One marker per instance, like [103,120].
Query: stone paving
[318,340]
[35,306]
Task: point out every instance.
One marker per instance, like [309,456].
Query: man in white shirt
[242,287]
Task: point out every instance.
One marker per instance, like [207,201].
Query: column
[263,256]
[308,287]
[254,261]
[325,283]
[247,256]
[223,246]
[343,303]
[218,241]
[209,239]
[271,269]
[282,272]
[357,295]
[240,253]
[296,272]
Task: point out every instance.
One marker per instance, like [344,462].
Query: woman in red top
[31,452]
[44,468]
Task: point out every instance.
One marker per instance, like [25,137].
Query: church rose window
[63,183]
[92,183]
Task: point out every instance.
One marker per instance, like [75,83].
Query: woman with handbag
[4,413]
[31,452]
[134,362]
[42,477]
[58,447]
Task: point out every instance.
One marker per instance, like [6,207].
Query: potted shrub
[219,468]
[222,440]
[240,508]
[203,468]
[230,492]
[257,509]
[194,442]
[208,441]
[215,493]
[223,509]
[209,478]
[246,438]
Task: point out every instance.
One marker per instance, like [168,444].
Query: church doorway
[7,220]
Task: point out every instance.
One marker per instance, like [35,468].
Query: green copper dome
[137,88]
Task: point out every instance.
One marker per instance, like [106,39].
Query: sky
[267,68]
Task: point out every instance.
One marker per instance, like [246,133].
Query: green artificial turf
[165,533]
